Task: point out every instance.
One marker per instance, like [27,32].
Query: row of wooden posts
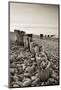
[24,39]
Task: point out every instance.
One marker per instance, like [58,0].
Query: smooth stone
[33,78]
[13,65]
[27,74]
[51,80]
[21,77]
[20,83]
[27,82]
[35,81]
[15,85]
[32,59]
[54,76]
[12,70]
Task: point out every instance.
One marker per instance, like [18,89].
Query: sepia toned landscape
[33,45]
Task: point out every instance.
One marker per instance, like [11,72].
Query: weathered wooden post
[41,36]
[27,40]
[20,37]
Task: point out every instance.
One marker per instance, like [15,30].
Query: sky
[34,18]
